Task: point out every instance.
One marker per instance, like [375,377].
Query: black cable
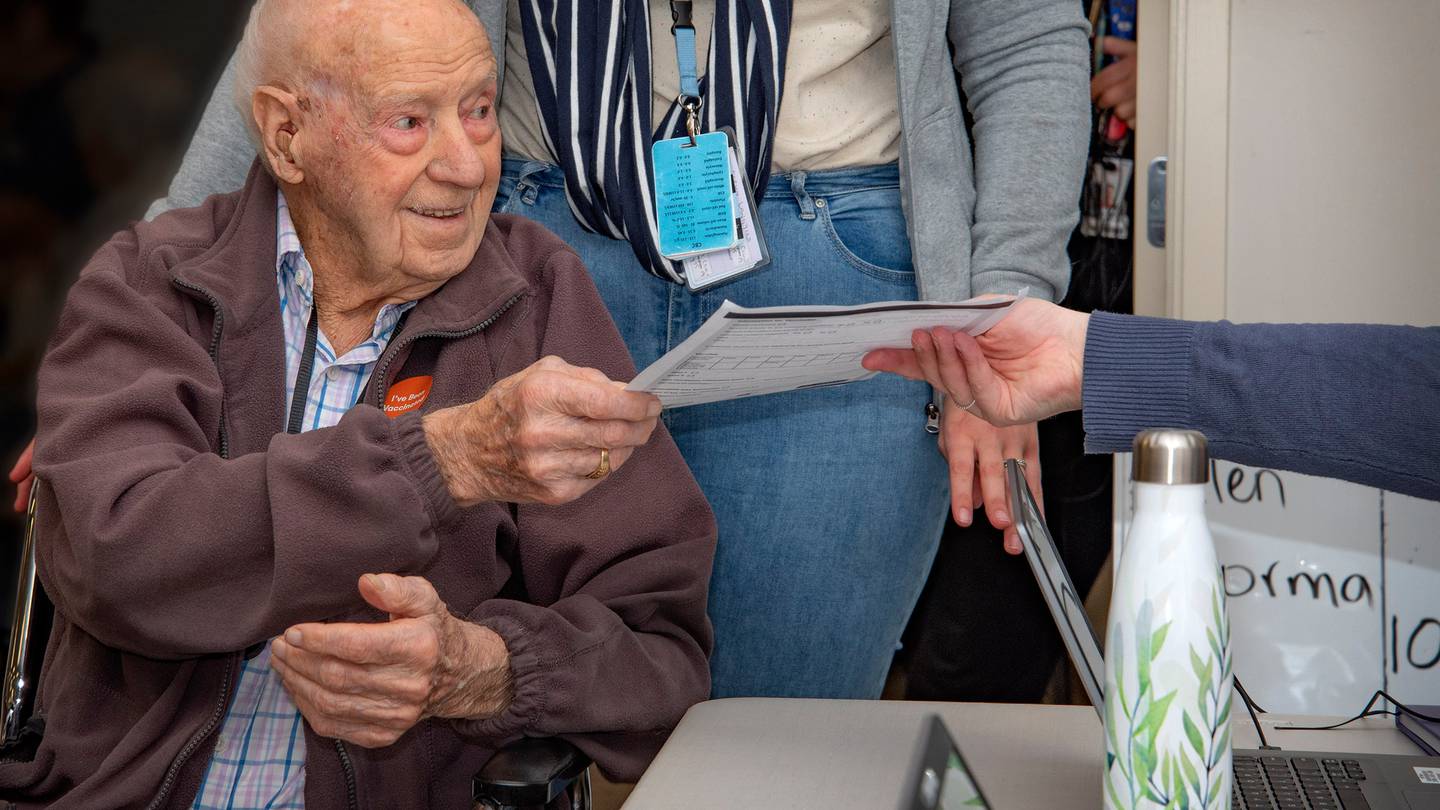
[1250,706]
[1368,711]
[1246,696]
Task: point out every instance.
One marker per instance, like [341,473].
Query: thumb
[984,382]
[401,597]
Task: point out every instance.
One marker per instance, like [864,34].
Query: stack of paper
[743,352]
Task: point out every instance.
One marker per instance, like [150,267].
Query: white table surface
[758,753]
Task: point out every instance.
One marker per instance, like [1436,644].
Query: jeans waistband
[536,172]
[782,184]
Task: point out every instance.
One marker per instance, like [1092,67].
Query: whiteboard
[1333,589]
[1305,186]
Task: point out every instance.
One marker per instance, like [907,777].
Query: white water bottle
[1168,682]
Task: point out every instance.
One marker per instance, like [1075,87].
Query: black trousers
[982,631]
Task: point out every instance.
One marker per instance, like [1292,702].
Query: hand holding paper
[742,352]
[1025,369]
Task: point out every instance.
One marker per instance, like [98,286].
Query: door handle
[1155,203]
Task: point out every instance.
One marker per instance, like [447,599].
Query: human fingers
[615,433]
[401,597]
[21,470]
[1126,111]
[378,682]
[22,494]
[571,474]
[990,463]
[595,375]
[371,643]
[1115,96]
[984,386]
[597,399]
[894,361]
[1117,87]
[951,371]
[924,347]
[23,478]
[1022,442]
[1107,78]
[1118,47]
[1032,473]
[619,456]
[353,718]
[960,459]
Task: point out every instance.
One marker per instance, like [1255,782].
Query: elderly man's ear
[278,116]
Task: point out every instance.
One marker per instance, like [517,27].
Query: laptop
[939,778]
[1264,780]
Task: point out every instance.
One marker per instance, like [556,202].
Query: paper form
[745,352]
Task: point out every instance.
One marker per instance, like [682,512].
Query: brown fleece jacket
[181,525]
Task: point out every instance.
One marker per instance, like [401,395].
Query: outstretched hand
[536,436]
[1027,367]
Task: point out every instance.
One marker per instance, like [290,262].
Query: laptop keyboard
[1278,782]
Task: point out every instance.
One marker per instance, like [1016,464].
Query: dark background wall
[97,102]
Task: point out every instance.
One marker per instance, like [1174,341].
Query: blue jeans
[830,502]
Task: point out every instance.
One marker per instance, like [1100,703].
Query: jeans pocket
[867,229]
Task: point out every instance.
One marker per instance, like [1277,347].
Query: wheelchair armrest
[532,771]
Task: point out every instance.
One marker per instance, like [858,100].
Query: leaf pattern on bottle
[1137,772]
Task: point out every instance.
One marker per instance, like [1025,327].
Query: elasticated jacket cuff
[1137,376]
[529,686]
[420,464]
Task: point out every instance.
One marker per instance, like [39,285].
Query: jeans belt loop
[528,188]
[802,197]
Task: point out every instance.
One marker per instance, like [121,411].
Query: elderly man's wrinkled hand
[370,683]
[537,436]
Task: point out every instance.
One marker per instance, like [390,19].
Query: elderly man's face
[411,159]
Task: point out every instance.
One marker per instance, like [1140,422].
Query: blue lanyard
[684,31]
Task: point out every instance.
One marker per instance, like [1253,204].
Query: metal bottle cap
[1170,456]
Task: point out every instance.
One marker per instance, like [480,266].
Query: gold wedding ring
[604,467]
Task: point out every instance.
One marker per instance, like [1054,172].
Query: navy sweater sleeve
[1350,401]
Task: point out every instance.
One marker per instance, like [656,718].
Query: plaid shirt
[259,759]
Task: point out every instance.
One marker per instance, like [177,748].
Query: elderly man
[319,520]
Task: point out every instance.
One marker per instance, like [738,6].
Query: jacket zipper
[195,741]
[349,769]
[218,714]
[214,351]
[381,378]
[346,765]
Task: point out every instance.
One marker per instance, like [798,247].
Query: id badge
[693,208]
[750,251]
